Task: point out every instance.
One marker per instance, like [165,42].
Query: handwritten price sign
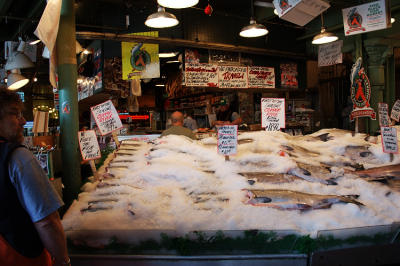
[384,120]
[395,114]
[106,117]
[227,139]
[261,77]
[232,77]
[88,144]
[273,113]
[203,75]
[389,139]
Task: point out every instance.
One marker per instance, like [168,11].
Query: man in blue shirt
[31,232]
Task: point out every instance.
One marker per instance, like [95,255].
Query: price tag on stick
[89,147]
[227,140]
[395,114]
[273,113]
[389,139]
[106,117]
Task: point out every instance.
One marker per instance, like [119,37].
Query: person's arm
[52,235]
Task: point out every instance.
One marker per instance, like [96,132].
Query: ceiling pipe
[186,43]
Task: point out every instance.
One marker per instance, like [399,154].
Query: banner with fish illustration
[227,139]
[384,120]
[261,77]
[273,113]
[106,117]
[389,139]
[360,92]
[88,145]
[367,17]
[140,60]
[289,76]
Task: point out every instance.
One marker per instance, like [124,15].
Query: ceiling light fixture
[254,29]
[160,85]
[167,55]
[15,80]
[324,36]
[18,59]
[161,19]
[276,12]
[177,3]
[172,61]
[392,20]
[33,42]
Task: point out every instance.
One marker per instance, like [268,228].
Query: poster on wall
[330,54]
[273,113]
[364,18]
[201,75]
[106,117]
[232,77]
[140,60]
[289,75]
[261,77]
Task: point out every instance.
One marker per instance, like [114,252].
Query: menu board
[389,139]
[330,54]
[261,77]
[384,120]
[395,114]
[227,139]
[201,75]
[232,77]
[106,117]
[273,113]
[88,144]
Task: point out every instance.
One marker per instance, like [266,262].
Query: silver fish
[307,175]
[268,177]
[295,200]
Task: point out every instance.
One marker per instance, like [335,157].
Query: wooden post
[115,137]
[226,157]
[94,170]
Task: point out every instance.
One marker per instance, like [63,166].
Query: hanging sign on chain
[360,92]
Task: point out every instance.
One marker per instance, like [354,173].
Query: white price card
[395,114]
[383,111]
[273,113]
[88,144]
[227,139]
[106,117]
[389,139]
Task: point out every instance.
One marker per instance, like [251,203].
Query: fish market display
[330,179]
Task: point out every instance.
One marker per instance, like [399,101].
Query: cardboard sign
[395,114]
[330,54]
[88,144]
[273,113]
[389,139]
[106,117]
[227,139]
[201,75]
[261,77]
[384,120]
[364,18]
[232,77]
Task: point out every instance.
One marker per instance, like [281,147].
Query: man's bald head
[177,118]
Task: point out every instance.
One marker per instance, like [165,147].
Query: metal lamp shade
[177,3]
[253,30]
[161,19]
[15,80]
[324,37]
[18,61]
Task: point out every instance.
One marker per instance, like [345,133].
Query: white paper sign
[232,77]
[106,117]
[88,144]
[227,139]
[389,139]
[202,75]
[330,54]
[364,18]
[261,77]
[383,110]
[273,113]
[395,114]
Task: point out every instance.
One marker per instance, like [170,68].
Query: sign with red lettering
[261,77]
[88,144]
[201,75]
[106,117]
[273,113]
[232,77]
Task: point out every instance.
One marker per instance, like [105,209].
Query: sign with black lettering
[106,117]
[227,139]
[383,110]
[201,75]
[88,144]
[232,77]
[261,77]
[389,139]
[395,114]
[330,54]
[273,113]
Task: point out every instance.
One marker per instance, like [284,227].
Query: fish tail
[351,199]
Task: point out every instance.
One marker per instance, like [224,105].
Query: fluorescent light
[177,3]
[253,30]
[324,37]
[166,55]
[161,19]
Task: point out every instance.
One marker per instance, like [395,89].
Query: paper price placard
[203,75]
[330,54]
[106,117]
[88,144]
[227,139]
[232,77]
[389,139]
[273,113]
[261,77]
[395,114]
[383,111]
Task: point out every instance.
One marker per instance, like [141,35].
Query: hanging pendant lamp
[161,19]
[253,29]
[15,80]
[177,3]
[324,36]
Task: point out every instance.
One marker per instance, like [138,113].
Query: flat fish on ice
[295,200]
